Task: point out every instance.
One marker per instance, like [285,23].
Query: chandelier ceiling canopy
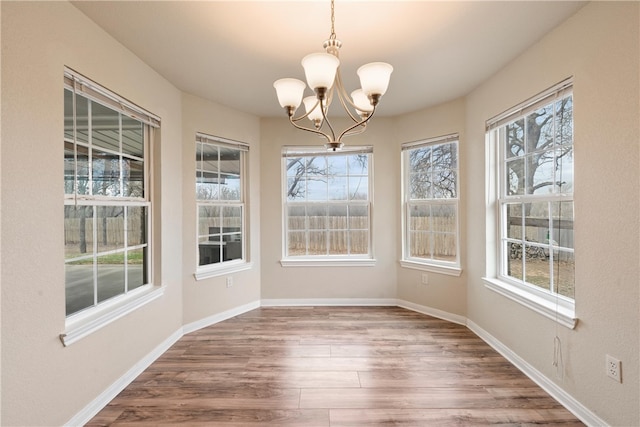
[322,72]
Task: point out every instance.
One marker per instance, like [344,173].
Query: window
[534,199]
[327,205]
[107,204]
[220,196]
[430,190]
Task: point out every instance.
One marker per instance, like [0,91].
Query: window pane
[110,228]
[358,188]
[133,178]
[210,157]
[78,231]
[316,166]
[564,121]
[132,137]
[564,273]
[317,217]
[295,166]
[232,220]
[136,268]
[515,178]
[317,189]
[541,166]
[296,188]
[444,184]
[338,188]
[207,187]
[536,266]
[82,119]
[564,170]
[540,129]
[562,232]
[419,217]
[358,164]
[420,186]
[136,225]
[210,249]
[420,159]
[106,173]
[514,221]
[359,242]
[444,247]
[110,275]
[358,217]
[229,174]
[443,218]
[79,288]
[317,243]
[337,165]
[337,217]
[338,244]
[514,259]
[105,127]
[69,168]
[536,221]
[420,242]
[209,221]
[82,169]
[514,137]
[68,114]
[296,243]
[296,217]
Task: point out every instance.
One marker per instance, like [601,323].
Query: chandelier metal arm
[362,123]
[297,126]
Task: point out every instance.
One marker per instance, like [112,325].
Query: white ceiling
[231,52]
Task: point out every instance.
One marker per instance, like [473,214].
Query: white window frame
[88,320]
[230,266]
[360,260]
[551,305]
[452,268]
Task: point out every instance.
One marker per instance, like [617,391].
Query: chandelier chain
[333,21]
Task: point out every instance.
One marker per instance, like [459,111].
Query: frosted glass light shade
[309,104]
[374,78]
[289,92]
[320,69]
[361,101]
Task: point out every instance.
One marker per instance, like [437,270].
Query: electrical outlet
[425,279]
[614,367]
[229,282]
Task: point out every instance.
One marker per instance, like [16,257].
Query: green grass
[135,257]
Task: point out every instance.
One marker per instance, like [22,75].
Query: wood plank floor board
[329,367]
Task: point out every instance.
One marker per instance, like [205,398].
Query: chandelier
[322,71]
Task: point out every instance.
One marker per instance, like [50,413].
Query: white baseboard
[564,398]
[305,302]
[95,406]
[212,320]
[434,312]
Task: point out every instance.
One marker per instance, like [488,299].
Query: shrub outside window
[431,195]
[327,203]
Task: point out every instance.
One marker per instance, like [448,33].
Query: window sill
[435,268]
[233,267]
[562,312]
[87,322]
[325,262]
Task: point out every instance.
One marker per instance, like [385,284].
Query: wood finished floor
[332,366]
